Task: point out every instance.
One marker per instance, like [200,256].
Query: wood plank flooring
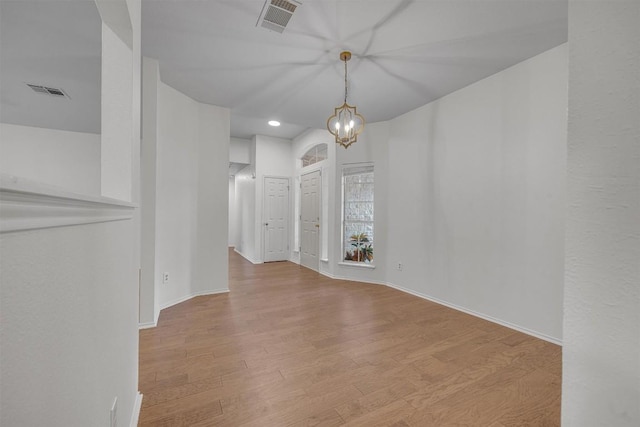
[290,347]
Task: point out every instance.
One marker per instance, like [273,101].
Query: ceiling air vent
[45,90]
[276,14]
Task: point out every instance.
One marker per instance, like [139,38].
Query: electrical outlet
[165,277]
[114,413]
[399,266]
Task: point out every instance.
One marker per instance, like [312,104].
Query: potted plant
[367,253]
[362,251]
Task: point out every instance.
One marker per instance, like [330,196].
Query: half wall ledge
[28,205]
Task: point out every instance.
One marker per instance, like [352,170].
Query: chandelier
[345,124]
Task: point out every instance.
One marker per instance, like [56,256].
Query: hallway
[288,346]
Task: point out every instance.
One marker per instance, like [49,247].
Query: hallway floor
[288,346]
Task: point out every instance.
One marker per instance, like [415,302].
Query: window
[357,208]
[316,154]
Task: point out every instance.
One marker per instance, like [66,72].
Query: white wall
[269,157]
[135,9]
[69,313]
[149,302]
[70,160]
[211,254]
[601,352]
[176,187]
[476,215]
[240,150]
[233,222]
[273,158]
[371,147]
[245,199]
[69,300]
[191,197]
[117,113]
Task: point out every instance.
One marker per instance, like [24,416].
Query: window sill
[357,265]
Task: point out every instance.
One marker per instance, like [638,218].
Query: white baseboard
[509,325]
[518,328]
[329,275]
[251,260]
[136,410]
[193,295]
[147,325]
[360,280]
[158,309]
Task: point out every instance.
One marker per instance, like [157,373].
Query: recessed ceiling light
[274,123]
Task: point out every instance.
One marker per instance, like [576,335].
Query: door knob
[317,225]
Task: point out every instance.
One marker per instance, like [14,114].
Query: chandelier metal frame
[345,124]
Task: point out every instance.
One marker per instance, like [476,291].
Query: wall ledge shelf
[357,265]
[28,205]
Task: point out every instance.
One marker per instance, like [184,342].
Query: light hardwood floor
[288,346]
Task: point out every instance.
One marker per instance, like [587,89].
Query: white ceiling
[405,53]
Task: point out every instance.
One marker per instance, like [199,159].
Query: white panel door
[310,220]
[276,219]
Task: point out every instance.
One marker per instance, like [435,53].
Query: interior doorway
[310,220]
[276,219]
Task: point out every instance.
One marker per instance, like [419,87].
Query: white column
[601,353]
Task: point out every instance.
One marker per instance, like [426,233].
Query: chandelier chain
[345,81]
